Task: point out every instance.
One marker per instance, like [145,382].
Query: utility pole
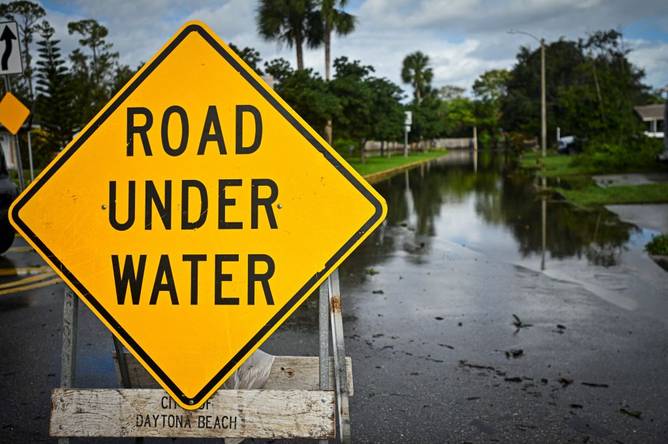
[475,148]
[543,147]
[543,142]
[543,106]
[665,123]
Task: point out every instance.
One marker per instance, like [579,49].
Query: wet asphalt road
[428,315]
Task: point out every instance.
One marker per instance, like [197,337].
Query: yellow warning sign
[12,113]
[195,213]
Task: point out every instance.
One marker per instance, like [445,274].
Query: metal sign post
[69,350]
[408,121]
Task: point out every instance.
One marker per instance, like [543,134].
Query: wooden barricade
[303,396]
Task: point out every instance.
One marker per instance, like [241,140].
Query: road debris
[565,382]
[514,353]
[595,384]
[517,322]
[633,413]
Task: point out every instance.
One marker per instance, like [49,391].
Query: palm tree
[334,19]
[417,72]
[294,22]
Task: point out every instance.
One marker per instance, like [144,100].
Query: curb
[381,175]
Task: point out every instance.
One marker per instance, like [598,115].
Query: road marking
[23,249]
[27,280]
[31,287]
[24,271]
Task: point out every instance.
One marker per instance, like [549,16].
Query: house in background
[654,119]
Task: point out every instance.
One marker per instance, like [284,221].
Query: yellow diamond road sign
[195,213]
[13,113]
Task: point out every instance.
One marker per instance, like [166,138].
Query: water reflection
[495,209]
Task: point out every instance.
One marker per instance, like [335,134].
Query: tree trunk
[300,54]
[362,157]
[28,68]
[328,58]
[328,131]
[28,73]
[328,55]
[598,91]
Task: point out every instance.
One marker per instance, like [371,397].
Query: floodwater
[428,305]
[428,311]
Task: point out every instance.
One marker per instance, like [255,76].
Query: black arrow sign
[7,36]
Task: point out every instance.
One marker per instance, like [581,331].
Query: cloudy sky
[462,37]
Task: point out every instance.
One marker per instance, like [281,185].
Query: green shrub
[346,147]
[635,153]
[658,245]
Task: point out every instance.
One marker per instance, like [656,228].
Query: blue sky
[462,37]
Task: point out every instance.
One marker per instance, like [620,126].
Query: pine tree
[93,71]
[54,99]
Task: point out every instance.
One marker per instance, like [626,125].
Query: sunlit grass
[583,191]
[622,194]
[556,165]
[377,164]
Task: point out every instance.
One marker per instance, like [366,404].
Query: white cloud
[462,37]
[653,57]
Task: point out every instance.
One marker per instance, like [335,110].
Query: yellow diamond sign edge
[380,210]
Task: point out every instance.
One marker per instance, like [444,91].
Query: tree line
[62,92]
[591,85]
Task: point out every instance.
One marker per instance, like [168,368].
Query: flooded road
[429,302]
[456,332]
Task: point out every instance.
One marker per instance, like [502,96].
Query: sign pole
[69,351]
[339,352]
[406,141]
[122,362]
[32,171]
[408,121]
[323,334]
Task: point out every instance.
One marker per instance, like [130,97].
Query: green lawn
[592,194]
[658,245]
[581,189]
[378,164]
[556,165]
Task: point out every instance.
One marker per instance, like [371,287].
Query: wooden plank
[287,373]
[228,413]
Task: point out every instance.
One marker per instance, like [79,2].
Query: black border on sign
[290,304]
